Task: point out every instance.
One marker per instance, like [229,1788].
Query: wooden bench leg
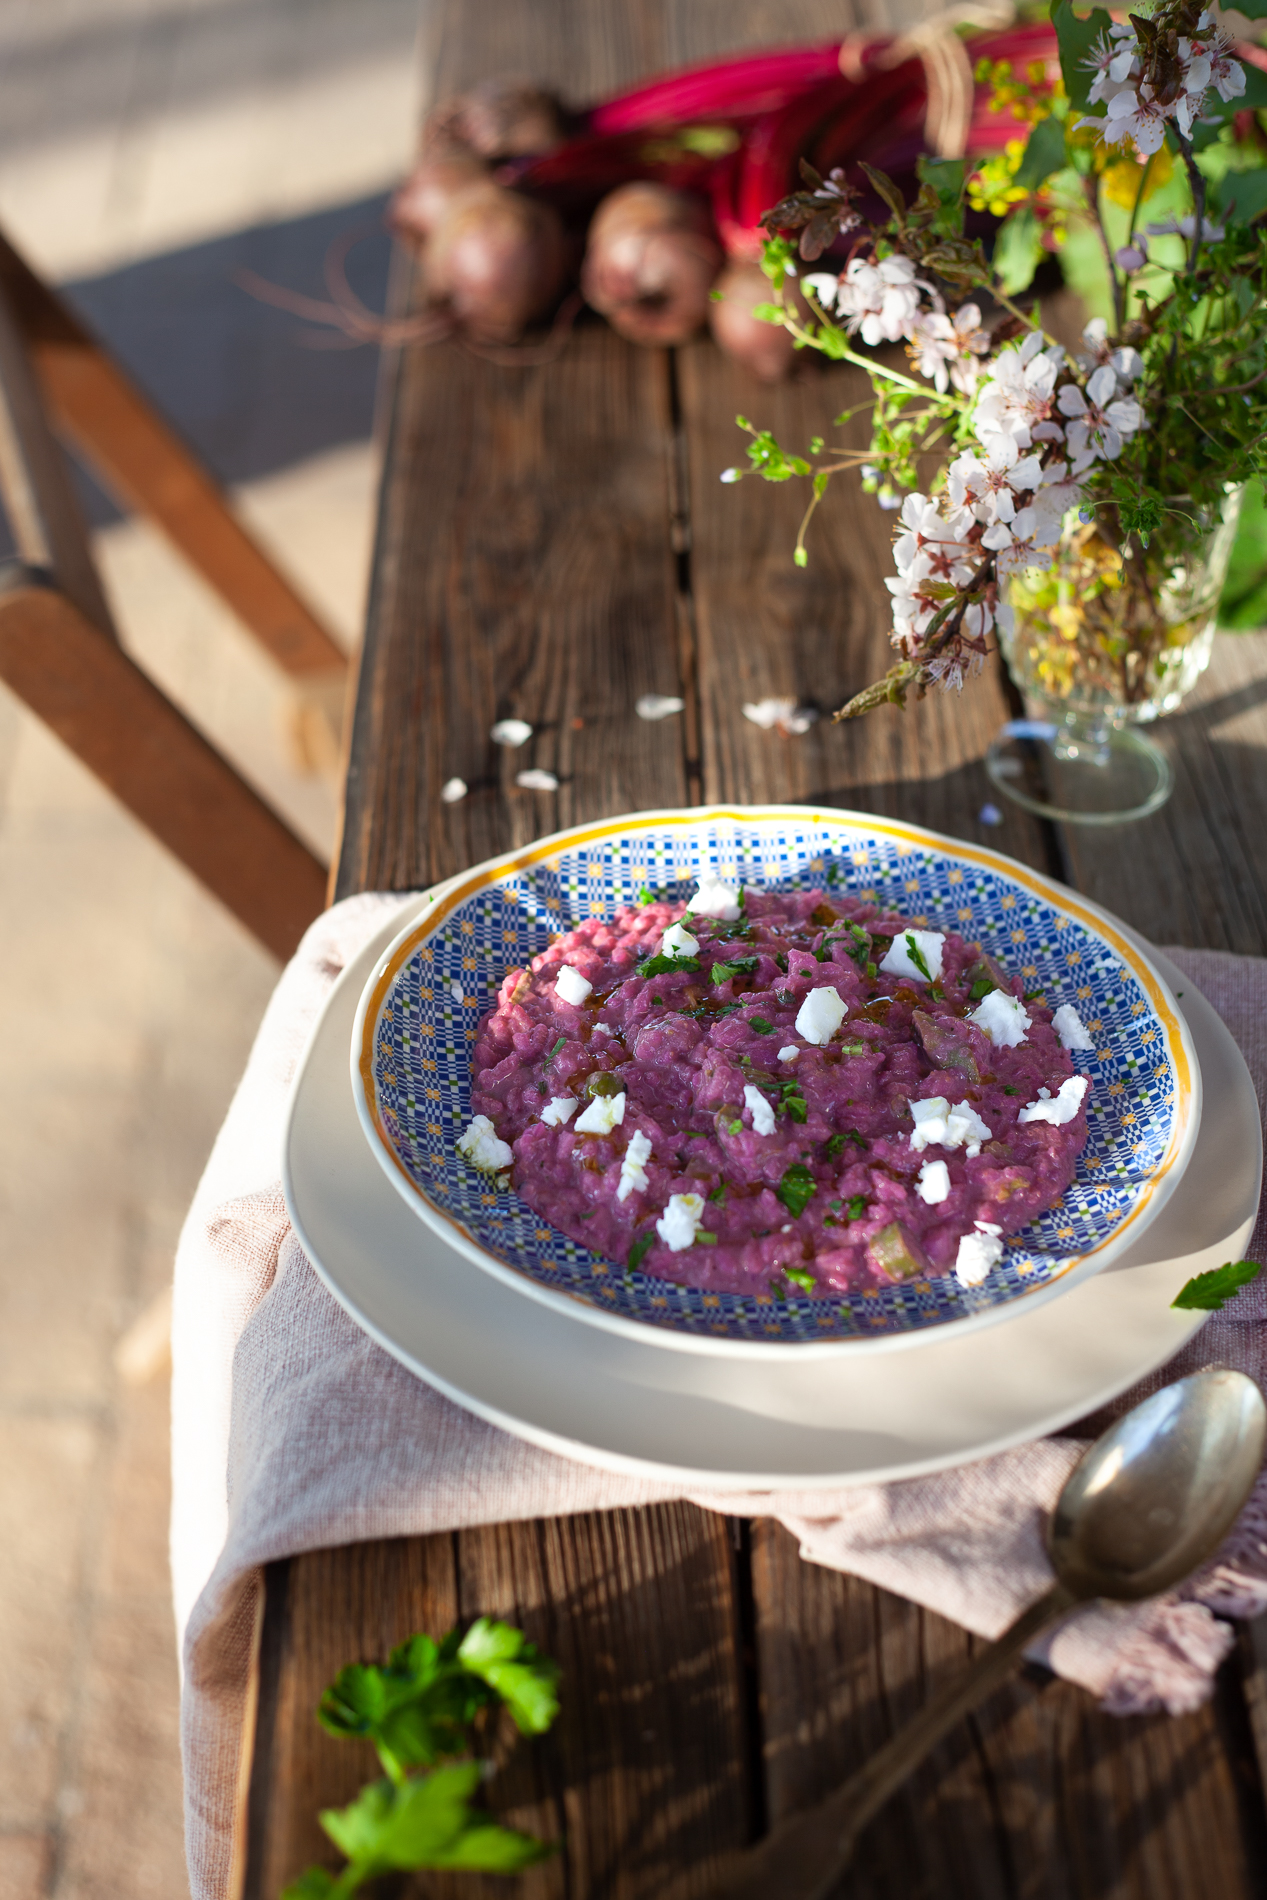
[112,716]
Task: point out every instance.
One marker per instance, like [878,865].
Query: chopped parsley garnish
[853,1048]
[873,969]
[802,1277]
[916,955]
[856,1207]
[860,948]
[706,1239]
[793,1102]
[822,955]
[719,1194]
[796,1189]
[639,1250]
[836,1145]
[1206,1292]
[697,1134]
[778,1293]
[1034,996]
[558,1045]
[780,957]
[1009,1090]
[667,966]
[833,872]
[735,1127]
[982,987]
[646,895]
[760,1025]
[835,1206]
[737,966]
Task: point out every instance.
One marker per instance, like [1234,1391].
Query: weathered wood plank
[768,628]
[642,1775]
[1040,1796]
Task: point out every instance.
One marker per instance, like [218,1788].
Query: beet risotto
[777,1093]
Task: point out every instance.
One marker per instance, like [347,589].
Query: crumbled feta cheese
[453,790]
[604,1113]
[572,986]
[821,1015]
[978,1253]
[937,1124]
[789,1052]
[1071,1029]
[658,706]
[1059,1108]
[558,1110]
[715,899]
[1003,1019]
[678,942]
[680,1221]
[934,1183]
[511,732]
[898,961]
[480,1144]
[537,781]
[762,1113]
[633,1173]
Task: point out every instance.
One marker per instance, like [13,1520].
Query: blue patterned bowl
[415,1029]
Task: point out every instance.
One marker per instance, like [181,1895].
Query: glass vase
[1108,639]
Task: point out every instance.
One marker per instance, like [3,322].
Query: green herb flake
[558,1045]
[719,1194]
[1207,1292]
[857,1207]
[1034,996]
[982,987]
[760,1025]
[645,894]
[735,1127]
[916,955]
[638,1252]
[835,1145]
[667,966]
[778,1293]
[705,1239]
[1009,1090]
[737,966]
[796,1189]
[802,1277]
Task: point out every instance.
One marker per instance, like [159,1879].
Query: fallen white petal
[452,790]
[537,781]
[658,706]
[511,732]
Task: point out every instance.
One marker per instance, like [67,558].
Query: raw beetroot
[650,262]
[764,348]
[497,260]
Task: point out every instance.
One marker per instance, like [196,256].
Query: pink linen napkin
[292,1430]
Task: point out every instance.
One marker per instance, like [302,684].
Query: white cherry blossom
[988,484]
[1017,397]
[880,301]
[1097,426]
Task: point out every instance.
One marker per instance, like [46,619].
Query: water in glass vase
[1109,638]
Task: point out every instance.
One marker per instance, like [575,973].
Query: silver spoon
[1145,1505]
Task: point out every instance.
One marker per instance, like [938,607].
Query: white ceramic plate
[412,1042]
[634,1404]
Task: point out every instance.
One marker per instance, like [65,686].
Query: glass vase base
[1080,771]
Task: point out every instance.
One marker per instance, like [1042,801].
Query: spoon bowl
[1159,1491]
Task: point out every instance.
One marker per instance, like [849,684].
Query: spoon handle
[803,1858]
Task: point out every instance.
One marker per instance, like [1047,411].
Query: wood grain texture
[642,1775]
[1040,1796]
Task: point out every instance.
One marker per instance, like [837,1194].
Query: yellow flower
[1122,177]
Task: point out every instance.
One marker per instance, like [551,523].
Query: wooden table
[554,542]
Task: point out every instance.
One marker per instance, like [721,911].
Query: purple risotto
[784,1093]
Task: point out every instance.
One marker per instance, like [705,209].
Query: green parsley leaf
[719,1194]
[778,1293]
[835,1145]
[738,966]
[760,1025]
[856,1208]
[638,1252]
[1206,1292]
[558,1045]
[1009,1090]
[793,1102]
[833,871]
[982,987]
[645,894]
[916,955]
[705,1238]
[526,1681]
[734,1128]
[802,1277]
[853,1048]
[796,1189]
[1034,996]
[667,966]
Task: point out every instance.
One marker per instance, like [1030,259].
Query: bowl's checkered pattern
[417,1043]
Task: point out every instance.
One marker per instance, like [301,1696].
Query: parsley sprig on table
[1207,1292]
[421,1709]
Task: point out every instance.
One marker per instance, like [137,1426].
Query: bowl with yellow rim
[415,1031]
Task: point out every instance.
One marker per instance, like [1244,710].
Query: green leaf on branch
[1239,197]
[1043,155]
[316,1883]
[1018,251]
[1206,1292]
[945,175]
[1077,38]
